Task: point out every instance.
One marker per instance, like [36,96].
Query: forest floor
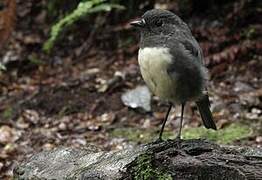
[72,97]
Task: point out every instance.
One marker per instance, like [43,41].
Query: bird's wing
[185,48]
[186,41]
[192,46]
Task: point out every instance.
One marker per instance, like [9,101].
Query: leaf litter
[73,97]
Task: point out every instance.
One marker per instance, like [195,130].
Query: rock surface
[185,159]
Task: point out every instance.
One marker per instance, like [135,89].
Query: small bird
[171,64]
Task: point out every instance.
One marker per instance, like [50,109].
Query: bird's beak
[138,23]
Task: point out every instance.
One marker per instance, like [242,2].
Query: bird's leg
[164,122]
[181,122]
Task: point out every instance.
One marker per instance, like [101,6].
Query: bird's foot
[178,140]
[157,141]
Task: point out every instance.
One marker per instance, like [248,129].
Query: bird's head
[157,22]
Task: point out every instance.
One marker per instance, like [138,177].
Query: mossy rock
[171,159]
[142,168]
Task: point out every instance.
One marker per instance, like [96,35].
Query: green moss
[225,136]
[8,113]
[143,169]
[169,134]
[141,135]
[133,134]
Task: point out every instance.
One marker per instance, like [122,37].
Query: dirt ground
[72,97]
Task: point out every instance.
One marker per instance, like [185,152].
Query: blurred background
[69,75]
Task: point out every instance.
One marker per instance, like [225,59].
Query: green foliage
[224,136]
[143,169]
[83,9]
[58,8]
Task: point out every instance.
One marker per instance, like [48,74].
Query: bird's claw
[157,141]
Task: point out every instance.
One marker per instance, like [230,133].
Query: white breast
[153,64]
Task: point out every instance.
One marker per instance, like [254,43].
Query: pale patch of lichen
[225,136]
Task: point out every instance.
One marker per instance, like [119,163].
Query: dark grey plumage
[167,46]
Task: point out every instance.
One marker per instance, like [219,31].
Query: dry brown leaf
[7,20]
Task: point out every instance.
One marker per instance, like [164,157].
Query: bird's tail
[204,108]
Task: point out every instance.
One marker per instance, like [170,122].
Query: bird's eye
[159,23]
